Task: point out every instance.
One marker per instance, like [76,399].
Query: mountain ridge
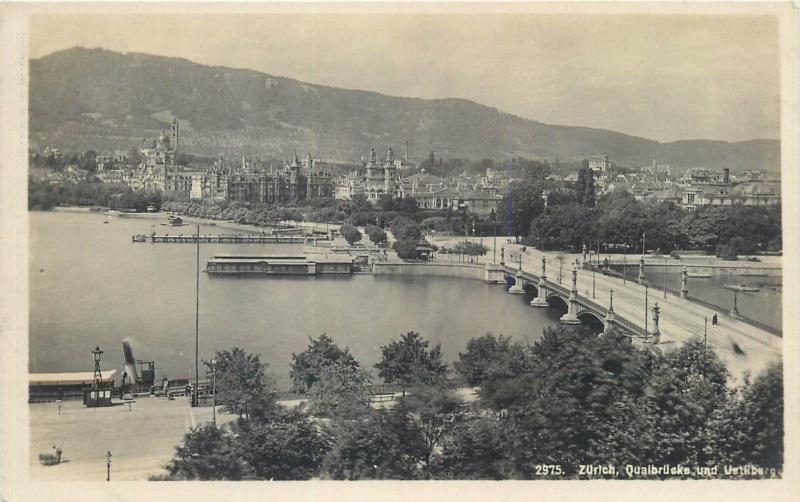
[96,98]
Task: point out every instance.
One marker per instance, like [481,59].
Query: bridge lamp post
[494,237]
[624,269]
[560,263]
[593,271]
[645,309]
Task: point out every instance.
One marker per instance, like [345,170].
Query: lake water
[90,285]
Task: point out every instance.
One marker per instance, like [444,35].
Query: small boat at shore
[174,221]
[744,288]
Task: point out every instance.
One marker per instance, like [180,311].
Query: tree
[477,448]
[436,411]
[408,361]
[470,248]
[752,428]
[341,390]
[406,249]
[307,366]
[585,186]
[576,405]
[377,235]
[563,228]
[489,356]
[526,203]
[387,445]
[242,385]
[350,233]
[288,447]
[685,394]
[208,453]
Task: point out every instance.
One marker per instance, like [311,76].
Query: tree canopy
[408,361]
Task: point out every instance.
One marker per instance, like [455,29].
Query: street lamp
[560,263]
[98,375]
[108,466]
[196,321]
[593,270]
[214,389]
[624,268]
[665,277]
[645,309]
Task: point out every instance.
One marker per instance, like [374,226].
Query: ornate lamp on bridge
[540,301]
[656,331]
[571,317]
[684,282]
[640,279]
[610,317]
[584,254]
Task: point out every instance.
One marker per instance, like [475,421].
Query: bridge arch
[592,321]
[557,301]
[531,290]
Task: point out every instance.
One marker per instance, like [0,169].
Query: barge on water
[265,265]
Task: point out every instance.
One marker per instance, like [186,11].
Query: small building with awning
[44,387]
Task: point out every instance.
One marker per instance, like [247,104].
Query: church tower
[389,173]
[175,135]
[371,163]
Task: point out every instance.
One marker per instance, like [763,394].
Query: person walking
[714,320]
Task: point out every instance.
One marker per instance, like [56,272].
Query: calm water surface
[89,285]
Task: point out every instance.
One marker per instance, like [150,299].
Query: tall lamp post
[624,269]
[494,238]
[196,322]
[665,277]
[108,466]
[214,390]
[98,375]
[645,309]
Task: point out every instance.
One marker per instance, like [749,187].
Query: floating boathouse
[265,265]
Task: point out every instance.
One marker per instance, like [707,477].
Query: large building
[375,180]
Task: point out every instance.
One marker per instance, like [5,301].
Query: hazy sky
[662,77]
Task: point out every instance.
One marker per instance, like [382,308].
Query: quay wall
[464,271]
[717,267]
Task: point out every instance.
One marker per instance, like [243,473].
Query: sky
[665,77]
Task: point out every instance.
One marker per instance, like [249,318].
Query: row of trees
[258,216]
[569,399]
[84,160]
[618,222]
[43,196]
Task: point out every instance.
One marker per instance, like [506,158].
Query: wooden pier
[229,239]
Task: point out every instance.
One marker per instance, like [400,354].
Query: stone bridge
[578,307]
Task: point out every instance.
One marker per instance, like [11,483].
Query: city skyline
[502,61]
